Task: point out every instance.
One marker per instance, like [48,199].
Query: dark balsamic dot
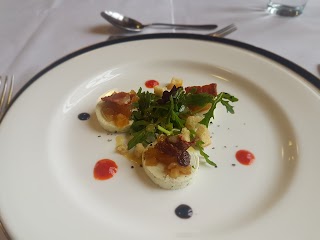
[225,146]
[132,166]
[184,211]
[84,116]
[99,136]
[218,125]
[140,165]
[213,148]
[109,140]
[228,128]
[233,164]
[210,122]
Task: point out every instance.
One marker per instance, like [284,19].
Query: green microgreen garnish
[154,115]
[224,98]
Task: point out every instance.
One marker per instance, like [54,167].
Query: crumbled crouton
[192,122]
[175,82]
[158,91]
[203,134]
[122,149]
[121,145]
[185,134]
[138,150]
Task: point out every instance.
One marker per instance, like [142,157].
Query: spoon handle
[186,26]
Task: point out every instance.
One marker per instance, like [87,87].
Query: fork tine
[3,93]
[10,90]
[6,93]
[227,28]
[224,31]
[228,31]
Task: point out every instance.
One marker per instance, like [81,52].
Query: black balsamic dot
[99,136]
[132,166]
[233,164]
[184,211]
[84,116]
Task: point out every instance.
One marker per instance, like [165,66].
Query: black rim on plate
[283,61]
[276,58]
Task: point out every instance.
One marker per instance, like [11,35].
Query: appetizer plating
[165,128]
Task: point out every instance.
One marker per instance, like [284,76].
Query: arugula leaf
[176,120]
[203,154]
[210,114]
[229,97]
[139,125]
[138,137]
[222,97]
[143,136]
[198,99]
[228,106]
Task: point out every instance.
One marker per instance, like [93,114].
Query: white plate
[47,155]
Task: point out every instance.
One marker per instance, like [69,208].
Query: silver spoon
[130,24]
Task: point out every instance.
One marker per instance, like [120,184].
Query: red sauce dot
[105,169]
[245,157]
[151,83]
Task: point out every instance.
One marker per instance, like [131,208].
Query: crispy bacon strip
[118,107]
[120,98]
[210,89]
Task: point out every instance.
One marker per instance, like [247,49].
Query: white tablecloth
[35,33]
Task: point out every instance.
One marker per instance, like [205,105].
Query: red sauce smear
[151,83]
[245,157]
[105,169]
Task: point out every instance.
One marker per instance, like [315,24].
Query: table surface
[35,33]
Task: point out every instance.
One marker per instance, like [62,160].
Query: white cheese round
[158,175]
[109,125]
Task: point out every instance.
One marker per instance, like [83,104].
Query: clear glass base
[284,10]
